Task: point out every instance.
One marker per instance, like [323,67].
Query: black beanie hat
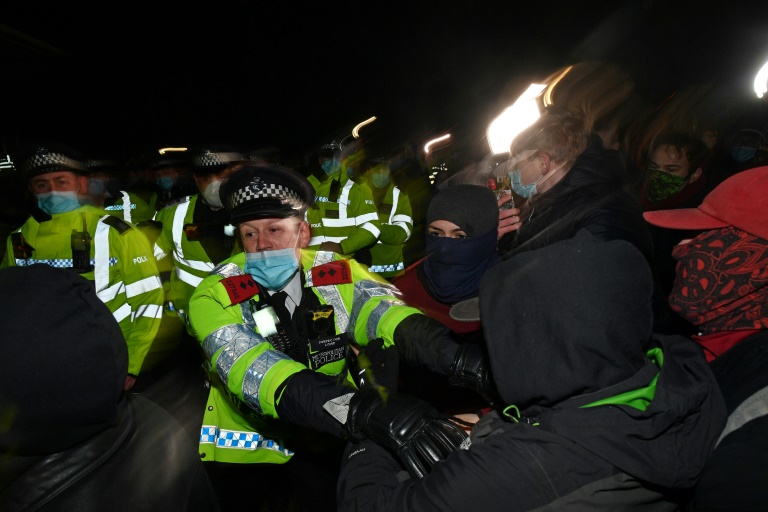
[471,207]
[65,360]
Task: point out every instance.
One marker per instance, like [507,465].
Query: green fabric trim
[638,398]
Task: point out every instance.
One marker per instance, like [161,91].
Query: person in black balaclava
[596,412]
[72,439]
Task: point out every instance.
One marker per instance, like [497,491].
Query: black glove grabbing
[411,428]
[375,366]
[472,370]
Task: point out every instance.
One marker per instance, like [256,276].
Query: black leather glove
[472,370]
[411,428]
[375,366]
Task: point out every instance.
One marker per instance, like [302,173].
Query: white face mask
[211,194]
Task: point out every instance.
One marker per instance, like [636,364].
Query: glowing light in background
[356,129]
[761,81]
[515,118]
[432,142]
[163,151]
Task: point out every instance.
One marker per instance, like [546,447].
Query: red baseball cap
[740,201]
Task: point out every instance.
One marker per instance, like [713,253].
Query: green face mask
[660,185]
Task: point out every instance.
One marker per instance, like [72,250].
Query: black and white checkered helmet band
[44,161]
[259,189]
[331,145]
[211,159]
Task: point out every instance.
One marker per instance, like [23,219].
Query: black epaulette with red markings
[333,272]
[240,288]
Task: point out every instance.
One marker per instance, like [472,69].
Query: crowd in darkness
[578,323]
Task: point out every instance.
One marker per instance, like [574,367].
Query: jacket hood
[567,319]
[65,360]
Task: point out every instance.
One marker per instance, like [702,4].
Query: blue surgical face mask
[165,183]
[331,167]
[57,202]
[380,179]
[743,153]
[272,269]
[516,181]
[96,186]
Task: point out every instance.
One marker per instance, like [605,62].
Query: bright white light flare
[516,118]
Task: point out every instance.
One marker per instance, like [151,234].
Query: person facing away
[275,322]
[461,245]
[110,252]
[72,438]
[104,191]
[595,412]
[343,218]
[394,207]
[721,287]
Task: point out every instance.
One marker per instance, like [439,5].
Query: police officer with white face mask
[195,230]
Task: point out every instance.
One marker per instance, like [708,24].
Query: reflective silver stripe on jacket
[365,290]
[235,340]
[177,233]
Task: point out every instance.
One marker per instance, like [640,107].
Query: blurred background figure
[394,207]
[676,171]
[72,439]
[343,218]
[105,191]
[173,177]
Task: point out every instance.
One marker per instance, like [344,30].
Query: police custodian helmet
[52,157]
[256,192]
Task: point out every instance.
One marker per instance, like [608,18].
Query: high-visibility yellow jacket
[190,260]
[396,225]
[124,271]
[241,420]
[343,212]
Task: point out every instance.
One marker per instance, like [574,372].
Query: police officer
[394,209]
[105,249]
[195,233]
[343,218]
[104,191]
[275,322]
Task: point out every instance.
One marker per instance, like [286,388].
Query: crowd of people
[225,328]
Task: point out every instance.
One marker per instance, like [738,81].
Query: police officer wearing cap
[276,322]
[103,248]
[195,232]
[343,218]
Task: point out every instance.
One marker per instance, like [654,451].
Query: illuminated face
[273,234]
[60,181]
[671,160]
[445,228]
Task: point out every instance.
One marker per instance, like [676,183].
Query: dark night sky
[119,78]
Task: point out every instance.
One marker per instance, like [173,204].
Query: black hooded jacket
[599,421]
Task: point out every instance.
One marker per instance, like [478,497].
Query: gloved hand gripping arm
[422,340]
[413,430]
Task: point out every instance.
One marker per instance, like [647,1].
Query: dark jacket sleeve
[302,398]
[422,340]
